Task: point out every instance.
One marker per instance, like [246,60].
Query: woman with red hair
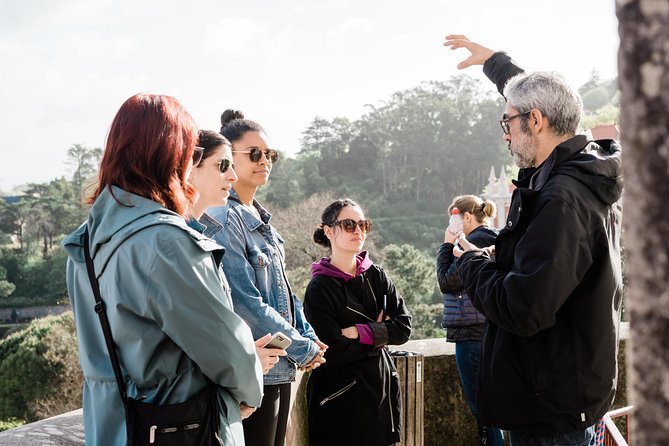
[173,328]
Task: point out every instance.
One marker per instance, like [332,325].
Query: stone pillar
[644,128]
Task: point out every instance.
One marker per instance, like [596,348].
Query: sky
[66,66]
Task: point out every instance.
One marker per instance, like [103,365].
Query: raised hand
[478,53]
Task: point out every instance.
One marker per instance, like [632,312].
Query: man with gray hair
[551,286]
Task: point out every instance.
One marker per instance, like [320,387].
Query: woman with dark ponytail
[356,309]
[254,263]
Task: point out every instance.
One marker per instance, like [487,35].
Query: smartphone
[278,340]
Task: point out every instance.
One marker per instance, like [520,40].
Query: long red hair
[148,148]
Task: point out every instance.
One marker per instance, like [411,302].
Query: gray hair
[551,95]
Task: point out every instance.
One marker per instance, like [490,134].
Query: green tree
[39,369]
[44,278]
[6,287]
[412,272]
[426,321]
[594,82]
[608,114]
[85,161]
[283,188]
[52,209]
[595,98]
[12,219]
[415,277]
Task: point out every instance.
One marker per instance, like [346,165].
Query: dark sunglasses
[224,165]
[255,153]
[349,225]
[197,155]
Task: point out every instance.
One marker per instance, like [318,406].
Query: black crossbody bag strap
[104,322]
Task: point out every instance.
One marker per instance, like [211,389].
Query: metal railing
[612,435]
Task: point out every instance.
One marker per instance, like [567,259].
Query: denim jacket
[254,263]
[207,226]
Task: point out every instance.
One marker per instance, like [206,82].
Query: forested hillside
[403,161]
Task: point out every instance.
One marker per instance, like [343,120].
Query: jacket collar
[564,151]
[250,220]
[110,224]
[205,225]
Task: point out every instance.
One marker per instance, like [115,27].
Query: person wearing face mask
[552,293]
[355,308]
[463,323]
[254,262]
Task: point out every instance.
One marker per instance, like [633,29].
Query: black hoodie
[552,296]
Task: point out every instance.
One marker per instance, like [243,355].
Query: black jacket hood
[596,164]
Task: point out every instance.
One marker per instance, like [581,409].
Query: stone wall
[29,313]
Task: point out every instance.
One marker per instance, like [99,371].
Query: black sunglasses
[256,152]
[224,165]
[349,225]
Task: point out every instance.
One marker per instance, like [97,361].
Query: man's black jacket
[552,296]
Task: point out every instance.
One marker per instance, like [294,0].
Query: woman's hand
[318,360]
[466,246]
[246,411]
[269,357]
[350,332]
[451,237]
[380,317]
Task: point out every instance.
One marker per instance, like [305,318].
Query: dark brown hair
[329,217]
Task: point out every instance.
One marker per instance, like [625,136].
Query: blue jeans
[467,360]
[579,438]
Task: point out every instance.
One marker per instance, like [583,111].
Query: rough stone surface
[64,430]
[644,127]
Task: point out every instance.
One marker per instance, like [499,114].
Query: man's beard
[523,149]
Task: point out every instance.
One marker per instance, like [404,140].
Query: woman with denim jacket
[212,176]
[356,309]
[463,323]
[255,265]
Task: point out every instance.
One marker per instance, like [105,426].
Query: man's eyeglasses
[255,153]
[349,225]
[197,155]
[504,122]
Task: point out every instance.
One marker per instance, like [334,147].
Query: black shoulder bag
[192,423]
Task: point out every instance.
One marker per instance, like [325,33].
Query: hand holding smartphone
[278,340]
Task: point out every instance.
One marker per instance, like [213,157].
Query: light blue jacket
[170,315]
[254,264]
